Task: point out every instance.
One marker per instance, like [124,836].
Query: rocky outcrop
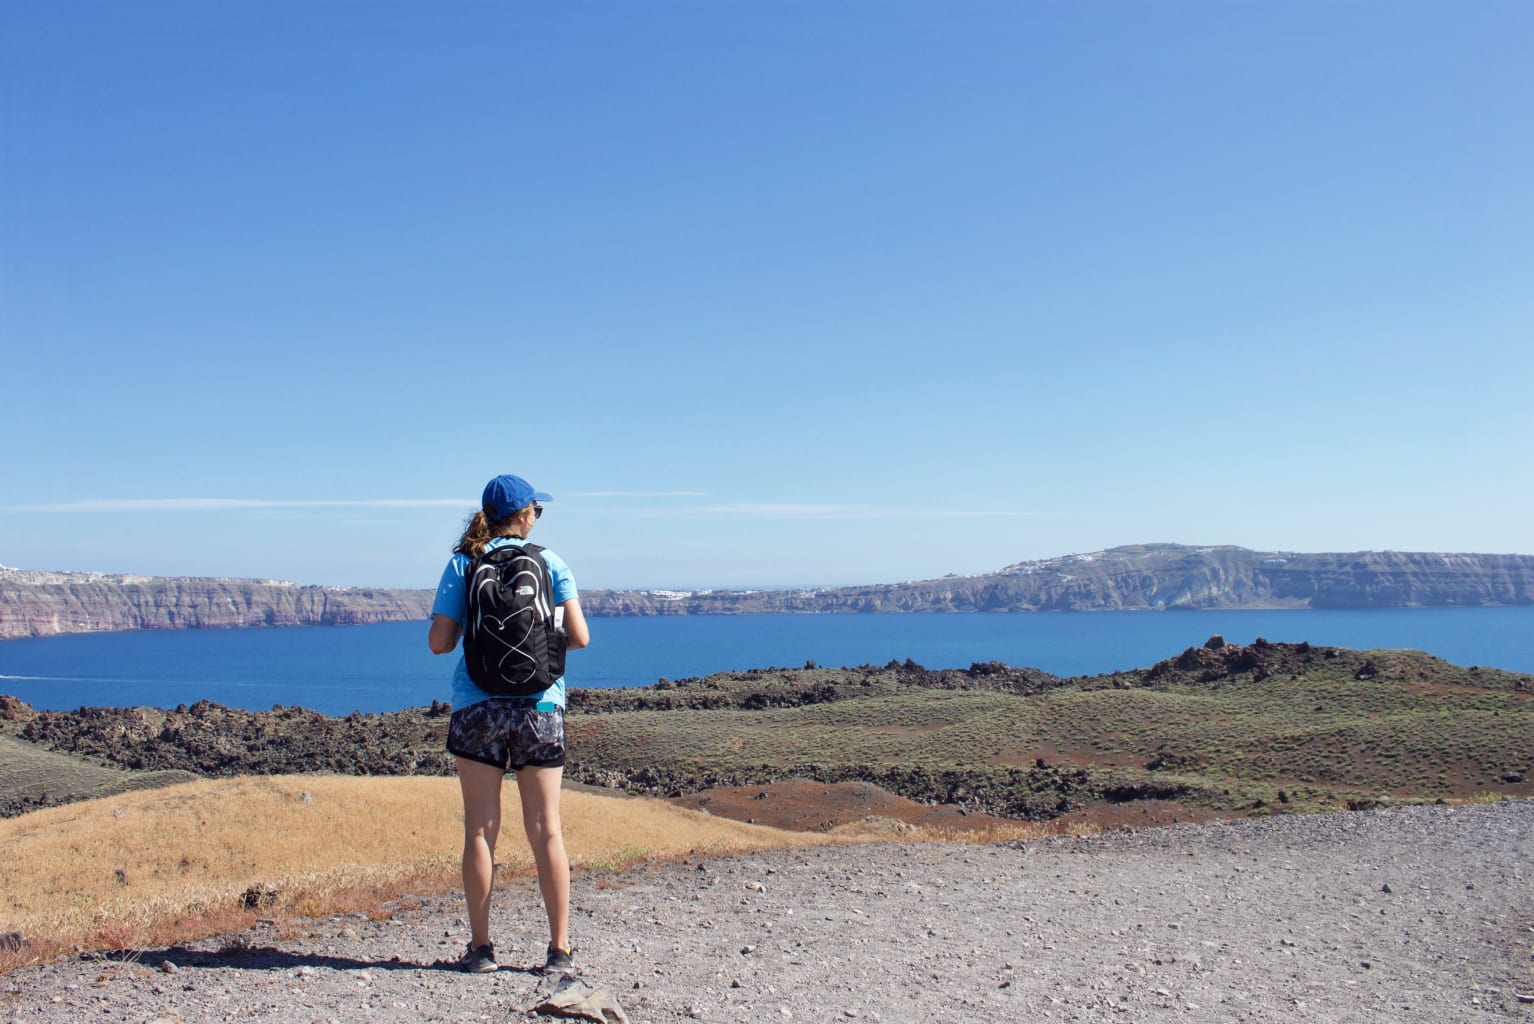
[49,603]
[213,740]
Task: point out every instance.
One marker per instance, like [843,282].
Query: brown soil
[1051,753]
[806,806]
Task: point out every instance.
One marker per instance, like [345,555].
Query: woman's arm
[444,634]
[575,624]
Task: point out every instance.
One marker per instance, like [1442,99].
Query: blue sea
[339,669]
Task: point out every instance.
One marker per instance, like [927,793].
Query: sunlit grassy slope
[30,774]
[152,867]
[1227,729]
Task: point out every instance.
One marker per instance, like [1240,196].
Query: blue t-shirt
[453,601]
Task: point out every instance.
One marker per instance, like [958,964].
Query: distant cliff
[47,603]
[1146,577]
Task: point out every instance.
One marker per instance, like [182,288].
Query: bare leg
[481,786]
[539,789]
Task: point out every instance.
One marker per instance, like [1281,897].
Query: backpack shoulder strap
[504,553]
[543,564]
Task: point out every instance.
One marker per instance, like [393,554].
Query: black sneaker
[559,960]
[478,959]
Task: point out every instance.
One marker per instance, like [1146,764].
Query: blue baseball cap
[508,494]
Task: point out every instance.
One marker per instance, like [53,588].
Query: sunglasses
[537,511]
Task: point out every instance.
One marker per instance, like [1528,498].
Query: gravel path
[1414,914]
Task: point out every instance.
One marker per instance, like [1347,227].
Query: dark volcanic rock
[15,710]
[210,739]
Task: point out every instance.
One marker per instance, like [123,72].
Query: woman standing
[491,735]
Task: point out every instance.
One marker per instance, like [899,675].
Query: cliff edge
[1142,577]
[49,603]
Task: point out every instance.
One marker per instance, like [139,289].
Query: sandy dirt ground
[1418,914]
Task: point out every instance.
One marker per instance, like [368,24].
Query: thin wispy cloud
[223,504]
[775,511]
[639,494]
[828,512]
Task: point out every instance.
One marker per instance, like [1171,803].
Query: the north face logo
[511,646]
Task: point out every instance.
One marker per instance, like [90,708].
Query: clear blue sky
[763,292]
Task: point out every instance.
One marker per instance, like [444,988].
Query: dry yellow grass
[148,868]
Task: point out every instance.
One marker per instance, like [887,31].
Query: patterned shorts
[508,735]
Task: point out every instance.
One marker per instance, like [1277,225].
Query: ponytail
[479,531]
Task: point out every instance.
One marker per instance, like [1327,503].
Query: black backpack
[510,645]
